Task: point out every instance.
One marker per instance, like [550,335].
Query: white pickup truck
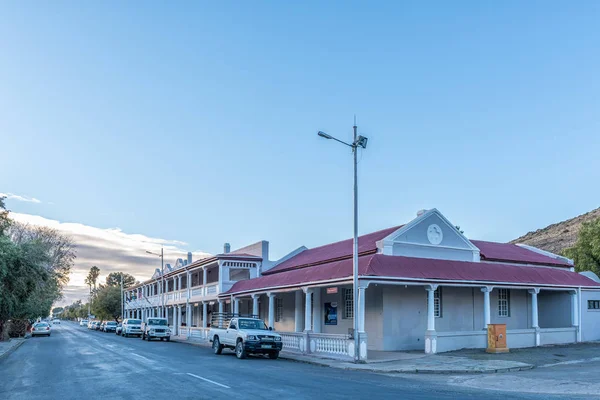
[246,336]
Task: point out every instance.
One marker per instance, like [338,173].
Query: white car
[83,322]
[41,329]
[56,321]
[131,326]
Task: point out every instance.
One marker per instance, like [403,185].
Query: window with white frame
[594,305]
[503,302]
[348,296]
[278,309]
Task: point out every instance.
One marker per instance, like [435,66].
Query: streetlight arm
[327,136]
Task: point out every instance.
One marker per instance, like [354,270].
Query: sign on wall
[332,290]
[330,314]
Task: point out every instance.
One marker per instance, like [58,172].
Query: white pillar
[534,314]
[307,309]
[255,311]
[188,284]
[431,307]
[486,306]
[362,291]
[220,306]
[205,314]
[298,311]
[575,308]
[236,306]
[178,316]
[167,314]
[271,310]
[188,315]
[317,311]
[179,282]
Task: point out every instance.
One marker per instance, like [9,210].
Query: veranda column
[205,314]
[204,283]
[179,282]
[298,311]
[167,314]
[431,334]
[307,309]
[534,314]
[575,312]
[188,315]
[486,306]
[317,310]
[255,311]
[178,320]
[236,306]
[271,310]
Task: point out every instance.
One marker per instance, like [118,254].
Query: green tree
[114,279]
[107,302]
[586,252]
[92,277]
[4,220]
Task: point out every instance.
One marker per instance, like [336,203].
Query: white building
[422,286]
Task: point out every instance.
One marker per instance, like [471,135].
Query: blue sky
[198,122]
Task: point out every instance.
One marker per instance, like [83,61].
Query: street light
[162,278]
[359,141]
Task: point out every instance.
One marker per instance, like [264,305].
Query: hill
[557,237]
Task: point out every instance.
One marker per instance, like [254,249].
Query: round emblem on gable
[435,234]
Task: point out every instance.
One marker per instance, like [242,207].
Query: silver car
[41,329]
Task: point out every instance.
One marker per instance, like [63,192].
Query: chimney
[226,248]
[189,260]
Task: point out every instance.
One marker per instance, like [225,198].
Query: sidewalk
[8,347]
[402,363]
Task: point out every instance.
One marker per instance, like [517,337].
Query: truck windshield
[157,322]
[252,324]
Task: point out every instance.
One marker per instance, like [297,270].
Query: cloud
[12,196]
[111,250]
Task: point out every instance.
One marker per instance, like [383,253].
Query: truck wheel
[217,347]
[274,355]
[143,336]
[240,351]
[168,338]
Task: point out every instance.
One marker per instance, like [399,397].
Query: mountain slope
[557,237]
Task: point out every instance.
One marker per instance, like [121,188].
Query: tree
[92,277]
[4,220]
[107,302]
[586,252]
[114,279]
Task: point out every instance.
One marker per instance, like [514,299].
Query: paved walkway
[410,362]
[8,347]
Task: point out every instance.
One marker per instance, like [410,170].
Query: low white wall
[558,336]
[520,338]
[448,341]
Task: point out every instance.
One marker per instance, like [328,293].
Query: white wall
[590,319]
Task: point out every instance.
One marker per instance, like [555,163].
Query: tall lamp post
[359,141]
[162,279]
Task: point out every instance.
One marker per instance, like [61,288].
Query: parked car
[83,322]
[109,326]
[56,321]
[246,336]
[119,328]
[156,328]
[131,327]
[41,329]
[90,324]
[98,325]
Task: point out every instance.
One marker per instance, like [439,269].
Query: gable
[430,235]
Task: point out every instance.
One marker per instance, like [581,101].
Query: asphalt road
[76,363]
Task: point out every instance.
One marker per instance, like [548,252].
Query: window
[437,302]
[348,297]
[278,309]
[503,302]
[593,304]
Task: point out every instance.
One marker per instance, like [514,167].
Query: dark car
[109,326]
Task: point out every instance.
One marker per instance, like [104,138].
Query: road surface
[76,363]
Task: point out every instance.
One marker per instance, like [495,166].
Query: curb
[11,349]
[412,371]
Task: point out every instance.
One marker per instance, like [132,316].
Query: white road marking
[586,360]
[137,355]
[208,380]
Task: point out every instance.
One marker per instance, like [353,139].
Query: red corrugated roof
[511,252]
[333,251]
[418,269]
